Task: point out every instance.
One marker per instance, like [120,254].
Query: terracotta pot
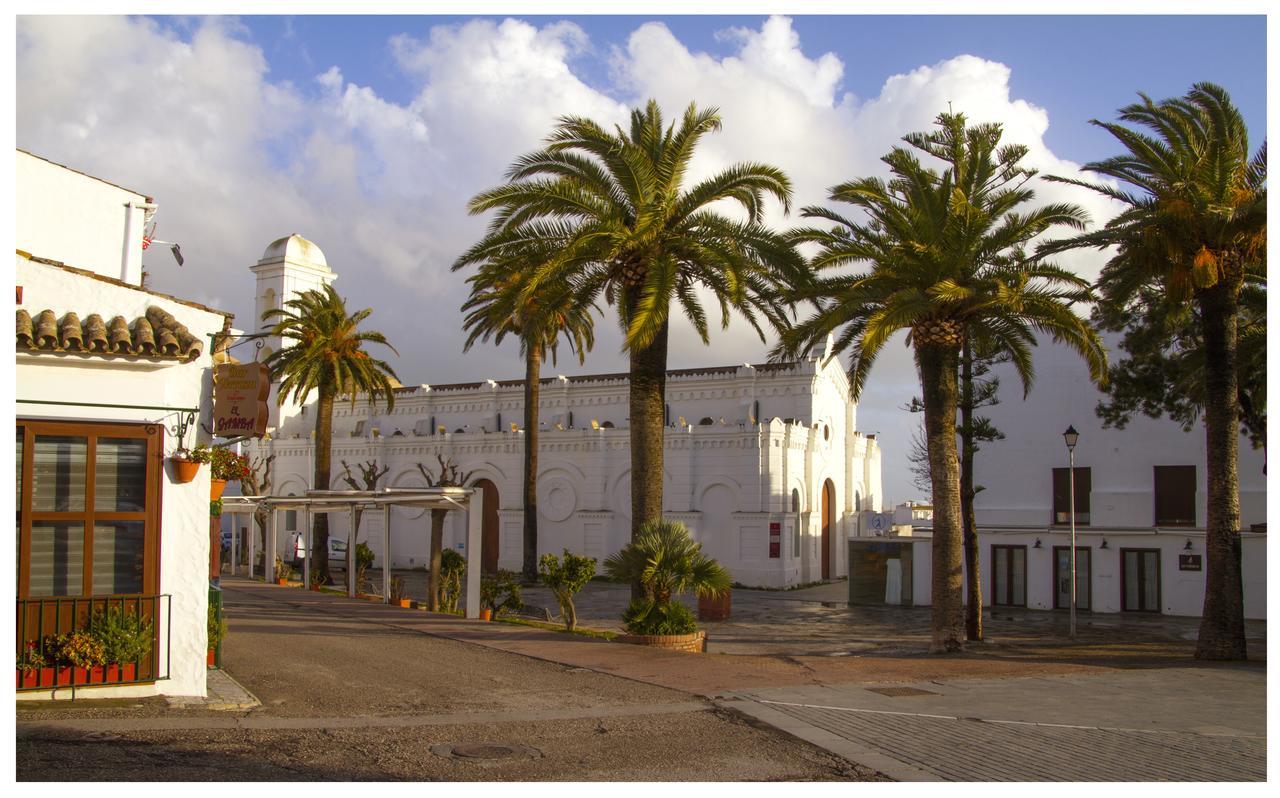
[486,614]
[121,673]
[213,657]
[315,588]
[691,643]
[184,470]
[282,582]
[405,602]
[216,487]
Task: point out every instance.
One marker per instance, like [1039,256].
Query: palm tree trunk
[648,380]
[433,567]
[938,365]
[973,573]
[532,391]
[1222,622]
[320,481]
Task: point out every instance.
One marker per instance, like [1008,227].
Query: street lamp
[1071,437]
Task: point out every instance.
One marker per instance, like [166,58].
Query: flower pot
[406,603]
[315,588]
[121,673]
[486,614]
[693,643]
[216,487]
[184,470]
[213,658]
[282,582]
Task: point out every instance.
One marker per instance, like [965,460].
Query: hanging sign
[240,392]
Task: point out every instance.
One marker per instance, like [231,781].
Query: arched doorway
[489,525]
[828,522]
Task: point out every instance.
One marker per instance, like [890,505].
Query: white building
[1140,506]
[110,377]
[763,463]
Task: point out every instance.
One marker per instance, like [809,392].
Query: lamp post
[1070,437]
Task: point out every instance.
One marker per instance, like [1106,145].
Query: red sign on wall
[775,540]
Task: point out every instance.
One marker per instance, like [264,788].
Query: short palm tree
[665,561]
[614,211]
[947,262]
[498,307]
[325,353]
[1193,228]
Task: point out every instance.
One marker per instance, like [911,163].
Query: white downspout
[131,257]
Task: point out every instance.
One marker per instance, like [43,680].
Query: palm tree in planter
[665,561]
[325,354]
[947,262]
[1192,236]
[498,307]
[447,477]
[616,218]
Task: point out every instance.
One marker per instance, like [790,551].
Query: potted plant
[398,596]
[499,593]
[664,560]
[226,466]
[126,639]
[33,666]
[79,651]
[317,581]
[282,572]
[185,467]
[217,633]
[565,578]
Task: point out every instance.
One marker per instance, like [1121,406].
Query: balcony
[92,642]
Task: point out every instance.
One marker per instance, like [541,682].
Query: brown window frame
[1009,576]
[1155,496]
[1087,551]
[150,515]
[1159,579]
[1084,489]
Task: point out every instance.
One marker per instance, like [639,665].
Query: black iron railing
[78,642]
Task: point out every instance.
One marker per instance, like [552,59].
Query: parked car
[337,551]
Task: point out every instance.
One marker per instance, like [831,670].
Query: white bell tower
[290,266]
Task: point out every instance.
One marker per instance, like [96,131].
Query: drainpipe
[131,257]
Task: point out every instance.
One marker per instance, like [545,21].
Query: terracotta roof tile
[157,334]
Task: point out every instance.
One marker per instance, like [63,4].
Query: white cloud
[191,116]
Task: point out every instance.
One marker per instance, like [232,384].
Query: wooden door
[489,525]
[828,521]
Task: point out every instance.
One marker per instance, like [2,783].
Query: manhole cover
[900,692]
[485,752]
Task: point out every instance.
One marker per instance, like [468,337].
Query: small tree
[369,476]
[448,477]
[664,561]
[452,566]
[565,578]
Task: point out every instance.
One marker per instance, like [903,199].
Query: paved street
[352,689]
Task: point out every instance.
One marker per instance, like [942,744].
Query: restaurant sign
[240,393]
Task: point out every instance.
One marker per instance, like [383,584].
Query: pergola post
[309,555]
[235,525]
[386,554]
[474,519]
[351,552]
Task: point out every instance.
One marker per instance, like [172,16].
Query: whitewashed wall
[78,220]
[184,525]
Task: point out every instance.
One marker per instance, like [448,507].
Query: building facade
[110,379]
[763,463]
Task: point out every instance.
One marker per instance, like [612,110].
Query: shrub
[565,578]
[397,588]
[283,571]
[364,561]
[500,592]
[452,566]
[215,508]
[125,636]
[30,657]
[217,627]
[648,617]
[80,649]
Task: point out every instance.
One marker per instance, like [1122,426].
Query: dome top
[297,249]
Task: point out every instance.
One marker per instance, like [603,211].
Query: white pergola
[336,501]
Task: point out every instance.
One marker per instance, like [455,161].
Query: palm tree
[1194,225]
[326,355]
[613,211]
[947,263]
[497,308]
[665,561]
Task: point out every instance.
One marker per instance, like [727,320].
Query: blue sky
[367,135]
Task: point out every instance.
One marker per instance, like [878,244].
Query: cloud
[188,113]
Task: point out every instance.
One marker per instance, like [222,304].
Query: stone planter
[715,608]
[694,643]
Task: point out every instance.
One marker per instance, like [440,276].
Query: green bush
[500,592]
[79,649]
[125,637]
[215,508]
[648,617]
[217,627]
[452,566]
[565,578]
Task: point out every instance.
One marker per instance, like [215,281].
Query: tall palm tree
[325,354]
[1194,226]
[614,210]
[947,262]
[498,307]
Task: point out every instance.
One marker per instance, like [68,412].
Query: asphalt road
[349,698]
